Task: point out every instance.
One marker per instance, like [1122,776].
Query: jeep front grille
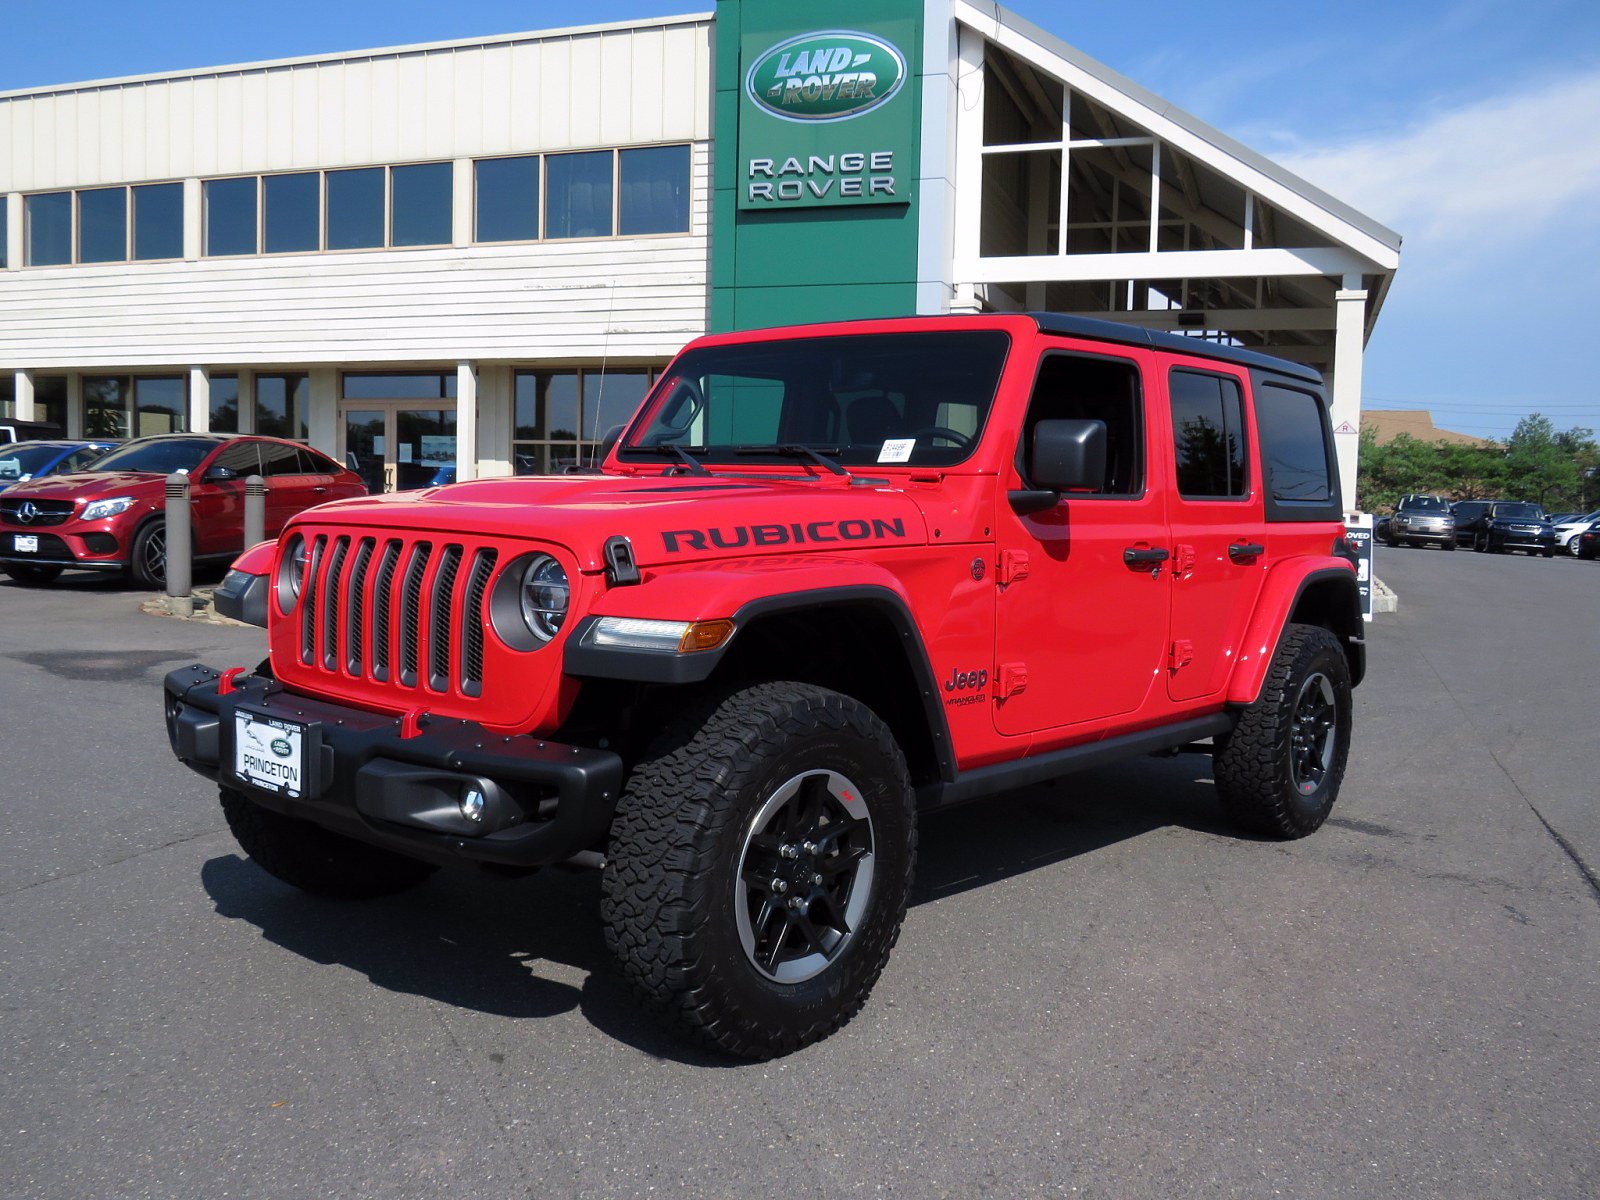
[395,611]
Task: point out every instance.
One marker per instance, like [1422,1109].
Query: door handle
[1134,556]
[1240,551]
[319,490]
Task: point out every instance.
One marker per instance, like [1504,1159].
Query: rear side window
[279,459]
[1297,455]
[1208,436]
[241,458]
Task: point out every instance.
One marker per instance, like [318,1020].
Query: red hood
[676,519]
[89,485]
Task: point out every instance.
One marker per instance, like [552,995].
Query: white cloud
[1501,167]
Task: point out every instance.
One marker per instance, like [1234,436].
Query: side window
[241,458]
[1294,445]
[1208,436]
[1084,388]
[313,464]
[278,459]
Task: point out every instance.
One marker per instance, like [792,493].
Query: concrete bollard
[180,546]
[255,511]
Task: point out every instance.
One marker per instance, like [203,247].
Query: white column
[74,405]
[24,396]
[1349,342]
[968,166]
[461,203]
[323,421]
[192,219]
[199,400]
[495,418]
[466,422]
[14,246]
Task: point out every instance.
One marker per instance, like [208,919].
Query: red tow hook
[225,684]
[411,723]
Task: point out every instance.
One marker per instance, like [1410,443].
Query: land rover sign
[826,116]
[829,76]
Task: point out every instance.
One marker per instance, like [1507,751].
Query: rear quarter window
[1296,453]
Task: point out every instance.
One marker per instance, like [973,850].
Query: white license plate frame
[271,754]
[25,543]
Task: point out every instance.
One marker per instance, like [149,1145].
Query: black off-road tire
[31,576]
[315,860]
[1254,764]
[671,878]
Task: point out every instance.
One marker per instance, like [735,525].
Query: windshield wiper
[663,448]
[794,450]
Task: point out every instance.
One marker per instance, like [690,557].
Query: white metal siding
[626,297]
[570,91]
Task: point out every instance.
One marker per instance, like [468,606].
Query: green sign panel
[826,118]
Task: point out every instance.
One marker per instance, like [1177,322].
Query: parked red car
[111,517]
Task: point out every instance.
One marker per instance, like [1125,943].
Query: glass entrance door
[400,445]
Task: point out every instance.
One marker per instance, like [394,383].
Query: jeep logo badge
[829,76]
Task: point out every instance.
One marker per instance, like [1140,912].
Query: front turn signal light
[705,635]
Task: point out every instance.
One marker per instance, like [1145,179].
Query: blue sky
[1472,126]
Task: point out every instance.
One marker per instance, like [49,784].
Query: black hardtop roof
[1136,335]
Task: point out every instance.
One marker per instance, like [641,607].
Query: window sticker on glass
[897,450]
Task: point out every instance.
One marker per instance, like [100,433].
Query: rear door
[288,485]
[1220,550]
[219,505]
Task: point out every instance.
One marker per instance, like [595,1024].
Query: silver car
[1421,521]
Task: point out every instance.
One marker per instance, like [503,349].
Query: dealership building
[473,256]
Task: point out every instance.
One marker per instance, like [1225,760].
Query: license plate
[269,753]
[25,543]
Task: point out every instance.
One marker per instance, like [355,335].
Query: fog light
[472,804]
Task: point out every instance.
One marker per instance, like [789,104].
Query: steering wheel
[962,441]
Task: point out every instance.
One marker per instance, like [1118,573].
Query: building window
[506,193]
[399,385]
[103,225]
[158,221]
[224,404]
[8,394]
[230,216]
[282,404]
[50,399]
[355,209]
[160,405]
[578,195]
[105,407]
[291,216]
[562,416]
[654,191]
[47,222]
[420,204]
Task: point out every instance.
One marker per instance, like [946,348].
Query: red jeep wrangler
[827,579]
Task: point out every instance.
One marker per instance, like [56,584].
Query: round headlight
[292,568]
[545,595]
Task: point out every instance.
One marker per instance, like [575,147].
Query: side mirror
[219,475]
[1069,456]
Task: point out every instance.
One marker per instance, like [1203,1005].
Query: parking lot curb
[1384,598]
[195,607]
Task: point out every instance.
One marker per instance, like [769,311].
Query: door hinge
[1183,567]
[1182,653]
[1013,679]
[1013,566]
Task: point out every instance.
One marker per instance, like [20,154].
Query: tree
[1547,466]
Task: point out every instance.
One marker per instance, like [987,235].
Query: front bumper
[545,801]
[93,547]
[1422,533]
[1511,539]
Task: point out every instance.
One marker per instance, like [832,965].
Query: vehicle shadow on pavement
[533,948]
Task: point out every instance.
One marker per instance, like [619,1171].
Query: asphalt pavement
[1101,990]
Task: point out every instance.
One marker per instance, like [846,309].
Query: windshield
[1424,504]
[21,461]
[909,399]
[158,456]
[1519,512]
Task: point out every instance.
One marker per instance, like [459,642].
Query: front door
[400,445]
[1081,625]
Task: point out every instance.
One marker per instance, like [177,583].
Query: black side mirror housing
[219,475]
[1067,456]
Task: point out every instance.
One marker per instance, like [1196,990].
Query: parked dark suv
[111,516]
[1508,525]
[1421,521]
